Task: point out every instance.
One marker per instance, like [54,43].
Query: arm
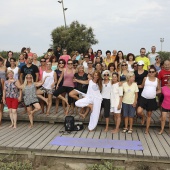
[136,98]
[158,87]
[37,84]
[120,102]
[37,75]
[55,80]
[4,92]
[18,85]
[82,81]
[143,83]
[20,78]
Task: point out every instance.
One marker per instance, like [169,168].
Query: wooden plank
[115,136]
[122,136]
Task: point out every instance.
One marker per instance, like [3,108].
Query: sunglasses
[124,64]
[106,75]
[151,71]
[156,59]
[42,60]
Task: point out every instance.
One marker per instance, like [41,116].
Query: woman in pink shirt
[65,56]
[165,105]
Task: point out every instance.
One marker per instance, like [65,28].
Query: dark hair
[108,52]
[75,62]
[87,55]
[62,61]
[130,54]
[12,58]
[117,57]
[50,50]
[88,50]
[99,81]
[99,51]
[134,64]
[142,49]
[1,59]
[152,67]
[52,57]
[115,73]
[10,52]
[98,63]
[162,63]
[23,49]
[111,65]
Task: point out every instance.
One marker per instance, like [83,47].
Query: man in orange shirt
[113,57]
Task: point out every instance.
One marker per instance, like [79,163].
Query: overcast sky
[125,25]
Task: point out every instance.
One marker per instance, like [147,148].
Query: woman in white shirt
[148,97]
[116,100]
[14,68]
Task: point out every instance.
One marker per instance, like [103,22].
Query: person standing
[35,61]
[152,55]
[143,58]
[29,68]
[1,98]
[157,63]
[3,70]
[119,59]
[57,53]
[130,59]
[113,57]
[108,58]
[7,61]
[65,56]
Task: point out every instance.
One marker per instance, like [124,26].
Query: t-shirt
[81,87]
[166,101]
[129,92]
[33,69]
[145,60]
[163,77]
[152,57]
[113,57]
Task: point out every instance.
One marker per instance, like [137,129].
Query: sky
[125,25]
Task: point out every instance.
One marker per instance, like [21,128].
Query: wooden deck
[59,117]
[35,141]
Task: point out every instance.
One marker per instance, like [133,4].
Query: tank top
[106,90]
[8,63]
[20,64]
[122,77]
[68,79]
[15,70]
[49,80]
[149,90]
[11,89]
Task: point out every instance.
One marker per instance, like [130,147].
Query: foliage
[74,37]
[164,55]
[16,166]
[105,165]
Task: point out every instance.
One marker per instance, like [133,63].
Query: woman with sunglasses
[106,91]
[29,95]
[124,71]
[68,84]
[90,69]
[116,101]
[61,65]
[92,99]
[11,97]
[21,61]
[147,101]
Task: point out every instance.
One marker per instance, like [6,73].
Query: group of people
[122,86]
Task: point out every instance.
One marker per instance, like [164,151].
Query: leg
[11,117]
[163,119]
[149,113]
[36,108]
[42,105]
[1,111]
[29,109]
[63,102]
[130,123]
[49,103]
[74,94]
[39,95]
[117,122]
[126,122]
[141,114]
[56,104]
[14,113]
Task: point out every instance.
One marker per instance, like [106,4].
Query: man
[114,53]
[29,68]
[152,55]
[143,58]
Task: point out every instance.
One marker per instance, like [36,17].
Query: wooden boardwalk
[59,117]
[35,141]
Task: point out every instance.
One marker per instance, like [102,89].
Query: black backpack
[69,123]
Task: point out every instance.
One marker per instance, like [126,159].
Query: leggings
[63,89]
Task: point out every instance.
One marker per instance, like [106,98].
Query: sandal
[130,131]
[124,130]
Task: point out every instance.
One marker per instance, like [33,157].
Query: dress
[30,96]
[94,97]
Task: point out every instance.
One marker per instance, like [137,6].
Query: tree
[74,37]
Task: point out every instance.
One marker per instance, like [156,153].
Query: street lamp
[64,9]
[161,40]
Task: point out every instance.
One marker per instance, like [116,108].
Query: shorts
[165,110]
[128,110]
[148,104]
[48,91]
[31,104]
[106,106]
[12,103]
[115,110]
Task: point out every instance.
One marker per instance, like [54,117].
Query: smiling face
[114,78]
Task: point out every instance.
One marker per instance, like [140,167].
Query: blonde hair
[79,66]
[25,81]
[129,75]
[9,71]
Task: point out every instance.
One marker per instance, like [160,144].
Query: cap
[140,63]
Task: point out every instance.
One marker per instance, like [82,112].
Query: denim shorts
[128,110]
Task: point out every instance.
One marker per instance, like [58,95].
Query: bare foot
[115,131]
[106,129]
[11,126]
[47,114]
[146,131]
[160,133]
[30,126]
[15,127]
[90,130]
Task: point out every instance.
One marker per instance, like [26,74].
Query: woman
[61,65]
[90,69]
[130,59]
[158,63]
[165,105]
[21,61]
[11,97]
[112,69]
[106,91]
[92,99]
[7,61]
[13,67]
[54,63]
[68,85]
[119,58]
[65,56]
[29,95]
[90,52]
[98,67]
[48,86]
[2,70]
[135,66]
[42,68]
[108,58]
[129,101]
[1,98]
[124,71]
[35,61]
[116,100]
[147,101]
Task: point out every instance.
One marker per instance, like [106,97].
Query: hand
[119,107]
[19,99]
[56,87]
[46,77]
[134,104]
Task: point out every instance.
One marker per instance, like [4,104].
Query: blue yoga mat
[97,143]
